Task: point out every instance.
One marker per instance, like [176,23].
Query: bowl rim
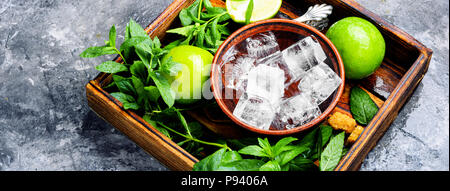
[224,108]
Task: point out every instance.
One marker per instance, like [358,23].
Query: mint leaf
[270,166]
[301,164]
[193,10]
[188,39]
[224,18]
[156,61]
[211,162]
[242,165]
[216,36]
[326,132]
[134,35]
[127,47]
[156,42]
[124,85]
[323,136]
[173,44]
[264,143]
[111,67]
[231,156]
[183,31]
[127,32]
[287,156]
[167,94]
[332,154]
[216,10]
[201,36]
[133,106]
[309,139]
[124,98]
[362,106]
[131,42]
[208,38]
[144,52]
[184,18]
[139,87]
[139,70]
[127,101]
[253,150]
[136,30]
[97,51]
[278,148]
[152,93]
[112,36]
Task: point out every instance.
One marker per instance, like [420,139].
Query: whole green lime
[189,81]
[360,44]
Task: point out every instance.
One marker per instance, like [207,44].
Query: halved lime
[262,9]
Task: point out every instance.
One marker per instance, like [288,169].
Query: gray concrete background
[45,123]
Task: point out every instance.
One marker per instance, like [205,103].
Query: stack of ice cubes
[262,75]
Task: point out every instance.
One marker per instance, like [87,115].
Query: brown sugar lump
[355,135]
[340,121]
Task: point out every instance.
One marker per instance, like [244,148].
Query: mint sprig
[204,29]
[141,83]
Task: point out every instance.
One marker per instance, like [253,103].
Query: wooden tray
[404,66]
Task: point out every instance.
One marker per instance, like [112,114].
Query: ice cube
[262,45]
[255,111]
[302,56]
[267,82]
[273,60]
[236,71]
[230,54]
[277,60]
[319,83]
[313,50]
[296,111]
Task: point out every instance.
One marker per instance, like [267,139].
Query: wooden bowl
[287,32]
